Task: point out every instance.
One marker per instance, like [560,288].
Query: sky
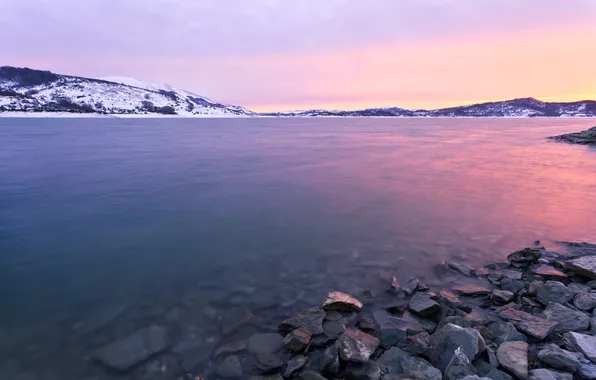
[300,54]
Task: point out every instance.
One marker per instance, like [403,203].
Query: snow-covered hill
[26,90]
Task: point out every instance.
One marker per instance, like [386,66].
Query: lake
[109,225]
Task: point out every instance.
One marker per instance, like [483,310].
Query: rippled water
[108,225]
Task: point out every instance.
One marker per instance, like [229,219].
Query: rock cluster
[587,137]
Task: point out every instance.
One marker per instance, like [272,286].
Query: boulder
[585,301]
[308,319]
[546,374]
[513,356]
[459,366]
[230,367]
[422,305]
[567,319]
[558,358]
[471,290]
[553,291]
[536,327]
[268,363]
[586,266]
[297,340]
[446,340]
[296,363]
[235,318]
[266,343]
[398,362]
[585,344]
[341,301]
[356,346]
[135,348]
[363,371]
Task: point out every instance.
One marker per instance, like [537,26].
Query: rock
[559,358]
[415,344]
[333,315]
[398,362]
[495,374]
[459,366]
[471,290]
[476,317]
[230,367]
[512,274]
[410,286]
[585,301]
[578,288]
[363,371]
[427,325]
[524,257]
[534,326]
[586,344]
[366,324]
[461,268]
[452,300]
[297,340]
[310,375]
[231,347]
[513,286]
[392,330]
[587,137]
[308,319]
[341,301]
[127,352]
[549,272]
[448,339]
[161,366]
[268,363]
[502,296]
[356,346]
[276,376]
[534,286]
[545,374]
[587,370]
[586,266]
[513,356]
[333,329]
[422,305]
[193,350]
[553,291]
[329,360]
[235,318]
[296,363]
[266,343]
[391,282]
[475,377]
[397,306]
[505,332]
[567,319]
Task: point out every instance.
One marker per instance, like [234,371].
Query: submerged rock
[268,363]
[231,347]
[230,367]
[235,318]
[341,301]
[356,346]
[329,360]
[309,319]
[513,356]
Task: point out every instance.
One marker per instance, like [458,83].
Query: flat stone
[524,257]
[308,319]
[576,288]
[505,332]
[297,340]
[513,356]
[513,286]
[567,319]
[230,367]
[356,346]
[448,338]
[422,305]
[341,301]
[549,272]
[502,296]
[546,374]
[464,269]
[553,291]
[534,326]
[398,362]
[471,290]
[586,266]
[363,371]
[265,343]
[450,299]
[585,301]
[586,344]
[127,352]
[558,358]
[231,347]
[296,363]
[410,286]
[459,366]
[235,318]
[268,363]
[512,274]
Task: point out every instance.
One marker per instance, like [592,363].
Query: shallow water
[107,225]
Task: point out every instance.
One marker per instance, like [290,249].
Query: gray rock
[586,266]
[159,367]
[587,137]
[398,362]
[585,344]
[127,352]
[448,339]
[513,286]
[534,286]
[309,319]
[534,326]
[296,363]
[549,272]
[575,288]
[393,329]
[452,300]
[410,286]
[266,343]
[459,366]
[502,296]
[366,324]
[567,319]
[593,324]
[415,344]
[356,346]
[231,347]
[471,290]
[475,377]
[297,340]
[235,318]
[553,291]
[464,269]
[341,301]
[230,367]
[329,360]
[505,332]
[587,370]
[310,375]
[585,301]
[334,329]
[512,274]
[275,376]
[495,374]
[559,358]
[363,371]
[426,324]
[513,356]
[524,257]
[545,374]
[422,305]
[333,315]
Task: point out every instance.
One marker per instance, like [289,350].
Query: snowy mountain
[27,90]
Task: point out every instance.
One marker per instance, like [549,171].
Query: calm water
[107,225]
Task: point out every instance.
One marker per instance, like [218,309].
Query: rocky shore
[587,137]
[530,317]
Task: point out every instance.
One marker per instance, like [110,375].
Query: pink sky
[301,54]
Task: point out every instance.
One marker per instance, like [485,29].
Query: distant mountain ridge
[27,90]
